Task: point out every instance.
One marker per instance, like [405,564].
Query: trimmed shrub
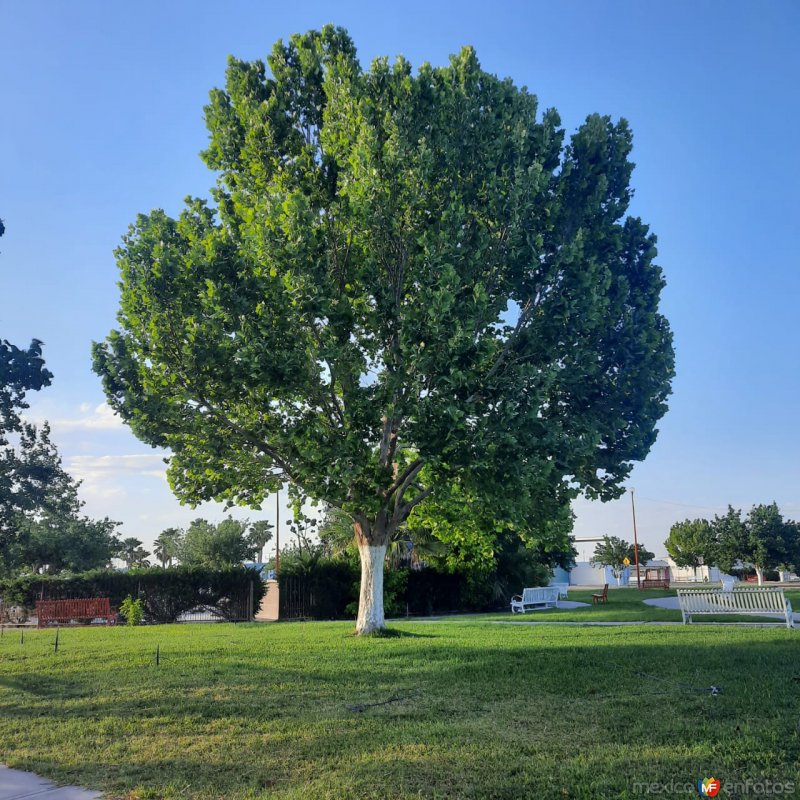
[165,593]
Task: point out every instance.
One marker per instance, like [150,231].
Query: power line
[682,505]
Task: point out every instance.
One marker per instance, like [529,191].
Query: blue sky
[102,119]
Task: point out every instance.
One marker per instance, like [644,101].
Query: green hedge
[323,588]
[165,593]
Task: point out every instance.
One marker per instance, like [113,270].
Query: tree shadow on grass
[527,713]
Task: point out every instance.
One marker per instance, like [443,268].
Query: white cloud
[99,418]
[104,468]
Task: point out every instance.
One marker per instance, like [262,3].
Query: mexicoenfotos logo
[709,787]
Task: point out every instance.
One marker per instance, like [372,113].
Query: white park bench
[757,601]
[546,596]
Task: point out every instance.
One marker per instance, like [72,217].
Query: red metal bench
[79,612]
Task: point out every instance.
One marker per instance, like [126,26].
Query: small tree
[772,541]
[692,543]
[222,545]
[613,551]
[404,271]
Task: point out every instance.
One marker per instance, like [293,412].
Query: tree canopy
[223,545]
[613,551]
[692,543]
[762,538]
[406,278]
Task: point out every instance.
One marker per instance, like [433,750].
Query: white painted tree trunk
[760,574]
[370,602]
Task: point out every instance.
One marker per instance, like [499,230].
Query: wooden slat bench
[546,596]
[57,612]
[654,583]
[751,601]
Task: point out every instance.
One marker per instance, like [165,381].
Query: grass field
[454,709]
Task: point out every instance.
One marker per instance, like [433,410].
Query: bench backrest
[746,601]
[73,609]
[540,594]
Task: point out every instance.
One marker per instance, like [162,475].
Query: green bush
[165,593]
[132,610]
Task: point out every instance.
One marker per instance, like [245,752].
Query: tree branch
[404,479]
[406,508]
[507,348]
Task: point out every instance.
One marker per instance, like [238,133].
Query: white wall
[585,574]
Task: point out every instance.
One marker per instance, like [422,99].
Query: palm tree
[167,546]
[258,535]
[133,554]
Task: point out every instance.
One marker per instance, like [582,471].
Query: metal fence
[296,599]
[234,609]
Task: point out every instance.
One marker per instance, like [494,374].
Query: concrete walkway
[16,785]
[562,605]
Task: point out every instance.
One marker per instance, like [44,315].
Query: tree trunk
[760,574]
[370,602]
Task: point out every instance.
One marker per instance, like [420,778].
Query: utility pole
[277,530]
[635,542]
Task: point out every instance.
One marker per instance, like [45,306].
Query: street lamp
[635,542]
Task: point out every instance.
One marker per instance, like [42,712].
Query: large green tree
[692,543]
[403,270]
[24,451]
[223,545]
[762,539]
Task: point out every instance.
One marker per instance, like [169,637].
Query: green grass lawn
[625,605]
[482,710]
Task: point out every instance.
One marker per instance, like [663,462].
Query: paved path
[663,602]
[16,785]
[584,624]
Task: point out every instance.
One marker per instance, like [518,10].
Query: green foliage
[132,610]
[41,528]
[330,582]
[40,524]
[166,547]
[165,593]
[692,543]
[132,553]
[54,543]
[258,534]
[222,545]
[409,279]
[613,551]
[763,539]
